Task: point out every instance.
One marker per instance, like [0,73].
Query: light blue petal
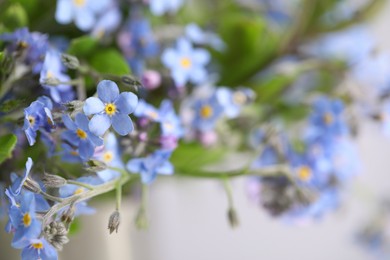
[86,149]
[180,77]
[201,56]
[166,168]
[68,122]
[108,91]
[126,102]
[184,46]
[170,58]
[84,19]
[157,7]
[99,124]
[198,75]
[92,106]
[122,124]
[82,121]
[71,137]
[134,165]
[64,12]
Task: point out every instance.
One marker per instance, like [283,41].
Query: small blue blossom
[24,222]
[36,116]
[327,118]
[111,156]
[70,154]
[207,112]
[34,45]
[233,101]
[111,108]
[39,249]
[83,12]
[198,36]
[170,123]
[186,63]
[80,136]
[145,110]
[160,7]
[53,69]
[137,42]
[149,167]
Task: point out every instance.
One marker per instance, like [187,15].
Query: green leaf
[75,227]
[193,156]
[7,145]
[83,46]
[110,61]
[15,17]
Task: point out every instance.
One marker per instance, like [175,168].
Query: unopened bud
[70,61]
[233,218]
[53,181]
[114,221]
[56,234]
[32,186]
[74,107]
[131,81]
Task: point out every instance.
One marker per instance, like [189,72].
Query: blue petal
[86,149]
[166,168]
[68,122]
[169,58]
[82,121]
[99,124]
[134,165]
[126,102]
[107,91]
[31,136]
[122,124]
[201,57]
[84,19]
[92,106]
[64,12]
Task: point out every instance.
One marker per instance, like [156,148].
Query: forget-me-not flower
[36,116]
[39,249]
[186,63]
[17,184]
[150,166]
[110,108]
[83,12]
[80,136]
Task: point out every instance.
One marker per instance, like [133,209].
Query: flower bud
[56,234]
[151,79]
[70,61]
[32,185]
[53,181]
[233,218]
[130,81]
[114,221]
[95,166]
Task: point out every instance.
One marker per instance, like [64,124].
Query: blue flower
[70,154]
[137,42]
[233,101]
[80,136]
[327,119]
[186,63]
[110,108]
[171,125]
[83,12]
[53,69]
[207,112]
[145,110]
[39,249]
[23,220]
[33,44]
[37,116]
[110,156]
[159,7]
[149,167]
[198,36]
[17,184]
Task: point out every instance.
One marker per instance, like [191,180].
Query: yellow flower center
[304,173]
[328,118]
[74,153]
[38,245]
[153,115]
[239,98]
[206,111]
[22,44]
[81,134]
[107,157]
[49,74]
[110,109]
[78,191]
[79,3]
[31,120]
[27,219]
[185,62]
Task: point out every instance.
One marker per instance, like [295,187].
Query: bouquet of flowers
[100,96]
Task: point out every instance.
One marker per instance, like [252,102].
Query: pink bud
[151,79]
[208,138]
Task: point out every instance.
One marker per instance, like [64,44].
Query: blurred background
[188,217]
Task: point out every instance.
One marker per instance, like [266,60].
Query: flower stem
[81,184]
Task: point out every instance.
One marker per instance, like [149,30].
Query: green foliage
[7,145]
[193,156]
[83,46]
[110,61]
[15,17]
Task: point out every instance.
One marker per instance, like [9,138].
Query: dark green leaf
[83,46]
